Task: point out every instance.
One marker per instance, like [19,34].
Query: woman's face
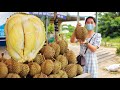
[90,24]
[90,21]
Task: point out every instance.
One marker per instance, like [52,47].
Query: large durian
[13,66]
[54,76]
[13,75]
[9,64]
[62,74]
[56,47]
[41,75]
[35,68]
[48,52]
[81,33]
[71,57]
[63,46]
[47,66]
[39,59]
[3,70]
[24,70]
[16,67]
[71,70]
[25,36]
[79,69]
[63,60]
[57,66]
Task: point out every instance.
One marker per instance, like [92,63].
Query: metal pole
[78,18]
[46,25]
[96,22]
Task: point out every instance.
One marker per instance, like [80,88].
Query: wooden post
[56,31]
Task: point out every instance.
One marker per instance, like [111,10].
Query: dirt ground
[106,74]
[102,72]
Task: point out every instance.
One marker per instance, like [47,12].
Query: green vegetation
[109,24]
[109,27]
[50,28]
[118,50]
[111,42]
[70,28]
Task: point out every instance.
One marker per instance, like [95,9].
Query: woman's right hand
[78,25]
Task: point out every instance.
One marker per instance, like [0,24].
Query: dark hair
[92,18]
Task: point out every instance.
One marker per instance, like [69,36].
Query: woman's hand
[82,42]
[78,25]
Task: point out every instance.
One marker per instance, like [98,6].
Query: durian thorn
[64,54]
[56,36]
[43,57]
[53,58]
[2,54]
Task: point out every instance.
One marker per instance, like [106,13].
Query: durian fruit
[16,67]
[57,67]
[3,70]
[2,59]
[9,64]
[35,68]
[56,47]
[71,70]
[41,75]
[25,36]
[62,74]
[42,49]
[54,76]
[81,33]
[25,70]
[13,75]
[47,66]
[63,46]
[63,60]
[48,52]
[39,59]
[79,69]
[71,57]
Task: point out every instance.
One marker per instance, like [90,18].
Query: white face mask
[89,26]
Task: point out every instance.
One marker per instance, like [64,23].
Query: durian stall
[31,54]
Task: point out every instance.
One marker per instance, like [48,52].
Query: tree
[68,27]
[109,24]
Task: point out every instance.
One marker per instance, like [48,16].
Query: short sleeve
[97,40]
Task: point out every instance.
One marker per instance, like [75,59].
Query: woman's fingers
[79,24]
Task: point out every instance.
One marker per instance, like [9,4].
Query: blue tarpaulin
[62,15]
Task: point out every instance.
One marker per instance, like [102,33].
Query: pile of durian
[31,57]
[54,60]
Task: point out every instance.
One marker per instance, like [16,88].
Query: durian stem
[56,36]
[46,41]
[2,54]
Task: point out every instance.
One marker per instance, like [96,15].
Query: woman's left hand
[82,42]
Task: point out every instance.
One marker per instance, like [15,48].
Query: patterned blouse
[91,57]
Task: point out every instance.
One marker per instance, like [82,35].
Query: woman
[91,65]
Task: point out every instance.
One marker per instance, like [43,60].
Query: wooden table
[85,75]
